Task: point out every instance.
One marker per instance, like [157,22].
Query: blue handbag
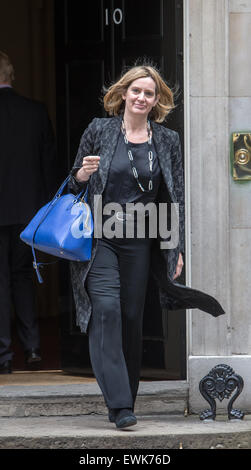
[63,228]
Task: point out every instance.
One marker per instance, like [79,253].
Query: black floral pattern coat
[100,138]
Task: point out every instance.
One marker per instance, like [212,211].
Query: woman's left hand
[179,267]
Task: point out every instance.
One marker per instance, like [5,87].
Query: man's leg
[23,291]
[5,296]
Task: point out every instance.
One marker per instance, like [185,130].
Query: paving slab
[77,399]
[94,431]
[145,388]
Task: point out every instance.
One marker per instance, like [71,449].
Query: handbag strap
[37,266]
[82,194]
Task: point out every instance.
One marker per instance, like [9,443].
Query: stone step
[167,397]
[94,431]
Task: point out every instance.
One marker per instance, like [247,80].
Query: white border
[186,48]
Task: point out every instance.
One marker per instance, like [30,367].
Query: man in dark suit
[27,162]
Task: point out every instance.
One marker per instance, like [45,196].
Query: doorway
[93,41]
[27,37]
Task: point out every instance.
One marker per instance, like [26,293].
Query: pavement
[73,416]
[94,431]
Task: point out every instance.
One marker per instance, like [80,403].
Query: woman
[129,158]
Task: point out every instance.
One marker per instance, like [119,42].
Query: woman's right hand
[90,165]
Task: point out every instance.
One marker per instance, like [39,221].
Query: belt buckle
[121,216]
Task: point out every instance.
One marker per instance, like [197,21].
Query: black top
[122,186]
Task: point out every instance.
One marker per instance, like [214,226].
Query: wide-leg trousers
[116,284]
[16,290]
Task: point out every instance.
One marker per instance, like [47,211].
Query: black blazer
[27,157]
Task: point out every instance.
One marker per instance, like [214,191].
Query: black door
[94,40]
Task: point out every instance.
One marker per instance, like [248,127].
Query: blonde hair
[6,69]
[114,103]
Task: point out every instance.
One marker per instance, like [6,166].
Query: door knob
[241,155]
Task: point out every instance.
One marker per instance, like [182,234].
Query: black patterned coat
[100,138]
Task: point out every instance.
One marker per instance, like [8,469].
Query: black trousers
[116,284]
[16,290]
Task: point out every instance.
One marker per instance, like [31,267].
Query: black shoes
[5,368]
[122,417]
[32,356]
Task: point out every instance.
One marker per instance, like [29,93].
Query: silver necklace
[150,158]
